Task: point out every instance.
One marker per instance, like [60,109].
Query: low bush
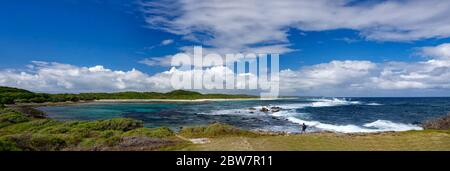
[162,132]
[38,142]
[119,124]
[12,117]
[214,130]
[8,145]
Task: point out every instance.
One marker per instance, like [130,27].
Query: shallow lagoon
[347,115]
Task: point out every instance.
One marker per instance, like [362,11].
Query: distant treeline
[9,95]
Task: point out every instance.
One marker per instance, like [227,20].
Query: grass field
[428,140]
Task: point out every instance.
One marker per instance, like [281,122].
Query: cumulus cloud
[441,51]
[347,77]
[431,74]
[167,42]
[264,24]
[336,78]
[336,74]
[57,77]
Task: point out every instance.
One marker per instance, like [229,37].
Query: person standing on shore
[304,126]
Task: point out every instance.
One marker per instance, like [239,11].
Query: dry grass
[404,141]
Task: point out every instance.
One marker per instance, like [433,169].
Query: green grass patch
[11,117]
[162,132]
[214,130]
[21,132]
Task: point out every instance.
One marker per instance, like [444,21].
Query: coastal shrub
[30,111]
[77,129]
[12,117]
[33,126]
[112,141]
[8,145]
[162,132]
[9,95]
[38,100]
[38,142]
[110,133]
[214,130]
[119,124]
[439,123]
[6,100]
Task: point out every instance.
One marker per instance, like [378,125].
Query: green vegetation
[27,129]
[154,132]
[10,95]
[20,132]
[214,130]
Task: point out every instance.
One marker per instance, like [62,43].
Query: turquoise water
[345,115]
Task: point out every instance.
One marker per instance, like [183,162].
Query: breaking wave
[377,126]
[332,102]
[374,104]
[288,112]
[314,103]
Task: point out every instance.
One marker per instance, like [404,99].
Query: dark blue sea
[346,115]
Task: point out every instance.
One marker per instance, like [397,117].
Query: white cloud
[334,74]
[57,77]
[244,25]
[336,78]
[167,42]
[441,51]
[431,74]
[157,61]
[349,77]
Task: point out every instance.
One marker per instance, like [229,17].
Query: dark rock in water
[264,109]
[276,108]
[252,108]
[252,112]
[30,111]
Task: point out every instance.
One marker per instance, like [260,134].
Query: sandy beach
[186,100]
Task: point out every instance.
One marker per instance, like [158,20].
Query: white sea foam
[389,125]
[286,108]
[332,102]
[374,104]
[377,126]
[288,112]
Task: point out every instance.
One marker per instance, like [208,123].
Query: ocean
[344,115]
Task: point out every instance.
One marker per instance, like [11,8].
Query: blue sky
[118,34]
[113,33]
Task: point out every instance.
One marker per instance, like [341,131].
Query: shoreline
[132,135]
[189,100]
[33,109]
[140,101]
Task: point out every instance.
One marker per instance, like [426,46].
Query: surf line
[193,161]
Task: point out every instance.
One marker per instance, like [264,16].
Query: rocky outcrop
[440,123]
[264,109]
